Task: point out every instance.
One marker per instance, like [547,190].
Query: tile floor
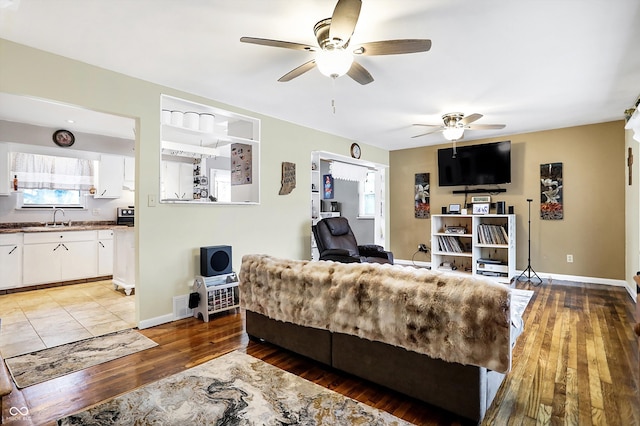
[39,319]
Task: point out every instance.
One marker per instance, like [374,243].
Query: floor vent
[181,307]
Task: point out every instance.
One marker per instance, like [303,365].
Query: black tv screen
[485,164]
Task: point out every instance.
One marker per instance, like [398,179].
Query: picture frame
[327,187]
[481,208]
[454,208]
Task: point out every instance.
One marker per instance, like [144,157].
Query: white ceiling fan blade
[344,20]
[393,47]
[485,126]
[435,130]
[278,43]
[296,72]
[359,73]
[470,119]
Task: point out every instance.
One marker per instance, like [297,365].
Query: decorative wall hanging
[551,206]
[630,165]
[241,164]
[288,181]
[421,196]
[327,187]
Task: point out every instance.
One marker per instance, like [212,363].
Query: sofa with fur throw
[443,338]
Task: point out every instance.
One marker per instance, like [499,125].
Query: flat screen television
[484,164]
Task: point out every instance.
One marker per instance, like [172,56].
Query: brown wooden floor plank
[576,334]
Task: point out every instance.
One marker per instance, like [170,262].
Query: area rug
[47,364]
[234,389]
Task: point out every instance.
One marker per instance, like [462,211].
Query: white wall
[168,236]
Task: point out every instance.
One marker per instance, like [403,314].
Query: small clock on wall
[355,150]
[63,138]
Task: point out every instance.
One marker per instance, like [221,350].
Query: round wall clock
[355,150]
[63,138]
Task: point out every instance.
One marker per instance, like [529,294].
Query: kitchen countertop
[31,227]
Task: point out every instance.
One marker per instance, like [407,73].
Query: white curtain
[36,171]
[346,171]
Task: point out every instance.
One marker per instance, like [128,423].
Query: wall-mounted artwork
[551,191]
[327,187]
[288,182]
[241,164]
[422,205]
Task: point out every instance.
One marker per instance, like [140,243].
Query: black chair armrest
[371,250]
[339,255]
[374,250]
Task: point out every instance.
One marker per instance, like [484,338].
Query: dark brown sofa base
[462,389]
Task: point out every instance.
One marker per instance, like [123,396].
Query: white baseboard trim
[417,263]
[548,276]
[152,322]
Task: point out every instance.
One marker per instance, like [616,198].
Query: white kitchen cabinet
[129,173]
[124,260]
[110,177]
[59,256]
[177,181]
[105,252]
[78,260]
[5,181]
[11,260]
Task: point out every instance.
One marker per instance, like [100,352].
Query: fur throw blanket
[456,318]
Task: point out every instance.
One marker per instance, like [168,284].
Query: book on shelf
[492,234]
[450,244]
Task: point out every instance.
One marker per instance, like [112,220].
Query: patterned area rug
[235,389]
[47,364]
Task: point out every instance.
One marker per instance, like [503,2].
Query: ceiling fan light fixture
[334,62]
[453,133]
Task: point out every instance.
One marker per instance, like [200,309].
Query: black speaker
[500,207]
[511,210]
[444,210]
[215,260]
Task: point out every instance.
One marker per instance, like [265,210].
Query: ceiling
[530,64]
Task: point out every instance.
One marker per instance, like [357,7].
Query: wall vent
[181,307]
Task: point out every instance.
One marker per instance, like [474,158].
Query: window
[367,194]
[51,197]
[48,181]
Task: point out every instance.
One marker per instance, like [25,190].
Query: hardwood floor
[576,363]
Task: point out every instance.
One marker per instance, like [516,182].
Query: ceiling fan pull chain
[333,95]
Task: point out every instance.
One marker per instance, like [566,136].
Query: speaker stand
[529,270]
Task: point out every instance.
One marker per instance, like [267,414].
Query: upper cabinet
[209,155]
[110,177]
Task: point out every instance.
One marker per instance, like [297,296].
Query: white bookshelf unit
[475,244]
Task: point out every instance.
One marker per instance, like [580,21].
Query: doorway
[358,193]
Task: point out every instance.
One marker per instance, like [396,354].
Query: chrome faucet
[54,215]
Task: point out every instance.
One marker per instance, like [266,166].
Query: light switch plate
[151,200]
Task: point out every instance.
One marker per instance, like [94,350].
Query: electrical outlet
[423,248]
[569,258]
[96,212]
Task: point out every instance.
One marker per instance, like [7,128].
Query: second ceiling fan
[454,125]
[334,57]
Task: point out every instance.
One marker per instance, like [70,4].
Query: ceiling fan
[455,123]
[334,57]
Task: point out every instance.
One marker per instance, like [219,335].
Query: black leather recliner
[335,241]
